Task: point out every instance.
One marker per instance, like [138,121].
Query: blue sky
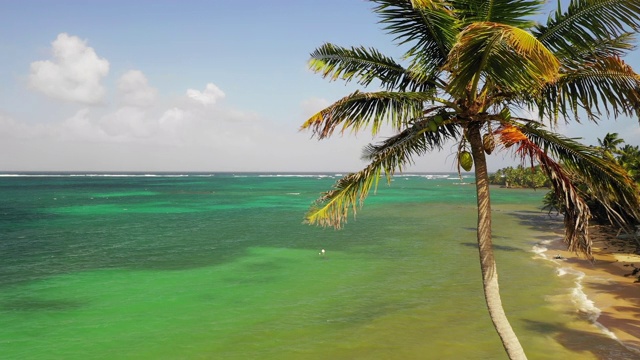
[186,86]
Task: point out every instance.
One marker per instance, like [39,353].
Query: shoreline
[609,286]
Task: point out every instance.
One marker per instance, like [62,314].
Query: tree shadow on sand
[582,341]
[628,325]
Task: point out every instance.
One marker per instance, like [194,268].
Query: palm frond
[425,4]
[599,48]
[516,13]
[506,56]
[608,86]
[588,21]
[424,135]
[429,28]
[605,178]
[361,109]
[349,193]
[364,65]
[576,211]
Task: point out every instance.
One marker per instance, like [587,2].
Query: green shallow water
[221,267]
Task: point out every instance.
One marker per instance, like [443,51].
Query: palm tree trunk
[487,261]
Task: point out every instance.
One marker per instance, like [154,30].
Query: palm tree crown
[609,144]
[470,67]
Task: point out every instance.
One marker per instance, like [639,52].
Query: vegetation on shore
[628,158]
[468,65]
[521,177]
[610,148]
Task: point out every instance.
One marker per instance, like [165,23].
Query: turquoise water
[220,266]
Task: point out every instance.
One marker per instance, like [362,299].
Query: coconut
[466,160]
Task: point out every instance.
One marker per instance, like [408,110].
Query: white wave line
[581,301]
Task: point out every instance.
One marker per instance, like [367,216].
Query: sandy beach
[610,282]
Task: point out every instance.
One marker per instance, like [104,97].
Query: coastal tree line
[520,177]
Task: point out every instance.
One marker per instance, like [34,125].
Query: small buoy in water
[321,252]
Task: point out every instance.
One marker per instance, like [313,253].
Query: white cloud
[128,124]
[209,96]
[13,129]
[135,90]
[179,123]
[177,135]
[74,73]
[171,119]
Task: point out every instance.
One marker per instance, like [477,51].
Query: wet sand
[610,281]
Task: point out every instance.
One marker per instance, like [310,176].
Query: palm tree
[609,144]
[468,64]
[629,159]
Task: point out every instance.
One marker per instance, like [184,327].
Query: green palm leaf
[424,135]
[349,193]
[586,22]
[364,65]
[509,12]
[599,48]
[360,109]
[429,28]
[503,55]
[607,83]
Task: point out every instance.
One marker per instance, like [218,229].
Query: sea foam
[585,306]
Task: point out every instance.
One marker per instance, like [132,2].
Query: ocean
[221,266]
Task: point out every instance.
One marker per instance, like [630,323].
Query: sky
[217,85]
